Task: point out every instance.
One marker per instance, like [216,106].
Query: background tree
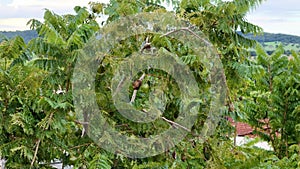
[273,95]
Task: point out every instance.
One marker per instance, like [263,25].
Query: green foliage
[37,119]
[274,94]
[39,125]
[12,49]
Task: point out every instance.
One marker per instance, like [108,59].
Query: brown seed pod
[183,158]
[230,107]
[241,98]
[174,154]
[137,84]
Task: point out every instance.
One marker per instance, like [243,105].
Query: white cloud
[12,24]
[278,25]
[278,16]
[31,8]
[48,3]
[7,12]
[15,14]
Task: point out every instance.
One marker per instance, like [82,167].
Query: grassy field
[271,46]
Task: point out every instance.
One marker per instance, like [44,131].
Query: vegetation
[276,99]
[39,123]
[272,41]
[265,37]
[269,41]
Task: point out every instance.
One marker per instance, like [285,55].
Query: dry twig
[176,124]
[35,152]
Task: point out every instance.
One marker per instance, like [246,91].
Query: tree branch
[86,144]
[176,124]
[120,85]
[78,122]
[188,30]
[35,152]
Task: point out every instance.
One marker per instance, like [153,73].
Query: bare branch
[176,124]
[84,124]
[35,152]
[79,122]
[120,85]
[142,77]
[76,147]
[133,96]
[188,30]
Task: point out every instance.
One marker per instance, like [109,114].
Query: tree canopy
[40,123]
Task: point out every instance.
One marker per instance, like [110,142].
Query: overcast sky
[275,16]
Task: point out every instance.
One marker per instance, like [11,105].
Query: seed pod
[137,84]
[183,158]
[174,154]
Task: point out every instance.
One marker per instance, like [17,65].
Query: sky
[274,16]
[277,16]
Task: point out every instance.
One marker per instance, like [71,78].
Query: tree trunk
[235,133]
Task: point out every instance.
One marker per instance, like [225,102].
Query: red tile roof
[242,129]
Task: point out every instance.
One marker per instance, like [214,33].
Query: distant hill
[27,35]
[271,37]
[270,41]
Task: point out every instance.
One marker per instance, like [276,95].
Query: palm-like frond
[51,35]
[12,48]
[247,5]
[81,15]
[46,63]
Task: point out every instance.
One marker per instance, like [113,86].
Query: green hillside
[270,41]
[272,37]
